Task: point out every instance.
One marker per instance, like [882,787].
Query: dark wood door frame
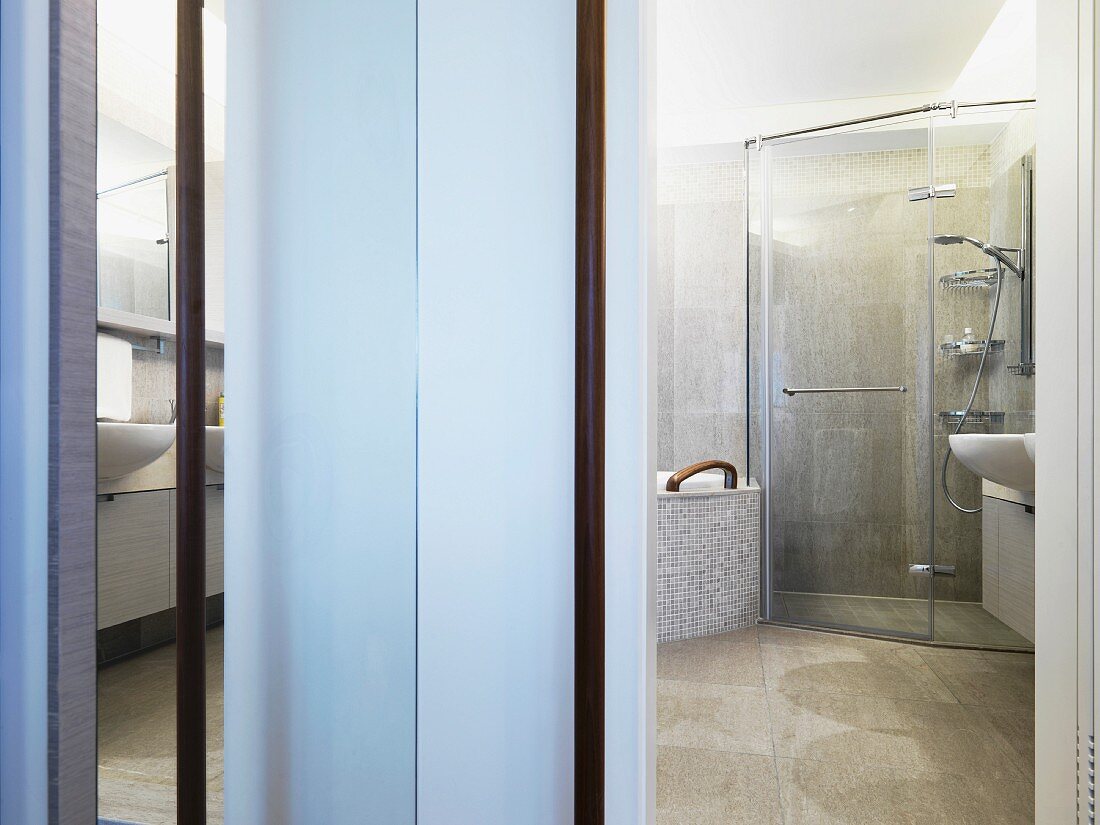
[190,254]
[588,470]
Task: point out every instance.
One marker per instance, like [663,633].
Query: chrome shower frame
[765,333]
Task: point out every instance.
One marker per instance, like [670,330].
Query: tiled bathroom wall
[851,474]
[701,315]
[155,380]
[1013,394]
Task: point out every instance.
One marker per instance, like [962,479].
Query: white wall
[24,377]
[496,159]
[631,516]
[318,469]
[1062,462]
[320,544]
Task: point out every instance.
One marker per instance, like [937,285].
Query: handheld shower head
[988,249]
[944,240]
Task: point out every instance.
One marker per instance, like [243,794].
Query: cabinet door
[132,556]
[215,508]
[215,540]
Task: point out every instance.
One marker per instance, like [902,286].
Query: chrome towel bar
[797,390]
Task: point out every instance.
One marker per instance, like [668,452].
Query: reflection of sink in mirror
[122,448]
[1029,445]
[215,449]
[1003,459]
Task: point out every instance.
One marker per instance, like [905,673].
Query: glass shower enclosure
[861,362]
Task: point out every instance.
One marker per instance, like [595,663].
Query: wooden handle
[680,476]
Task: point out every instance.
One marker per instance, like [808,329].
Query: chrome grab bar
[796,391]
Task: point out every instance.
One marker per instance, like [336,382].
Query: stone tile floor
[775,725]
[137,736]
[956,622]
[762,725]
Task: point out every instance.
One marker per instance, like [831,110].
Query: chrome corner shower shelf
[969,279]
[953,349]
[952,417]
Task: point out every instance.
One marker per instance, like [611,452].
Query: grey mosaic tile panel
[708,563]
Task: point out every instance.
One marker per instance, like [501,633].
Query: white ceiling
[734,54]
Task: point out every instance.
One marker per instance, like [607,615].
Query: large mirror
[137,502]
[136,163]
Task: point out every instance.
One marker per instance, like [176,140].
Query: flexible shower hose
[973,394]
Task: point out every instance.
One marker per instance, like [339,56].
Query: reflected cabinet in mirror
[133,250]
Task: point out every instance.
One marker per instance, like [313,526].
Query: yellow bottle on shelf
[221,410]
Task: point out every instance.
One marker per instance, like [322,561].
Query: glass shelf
[976,417]
[953,349]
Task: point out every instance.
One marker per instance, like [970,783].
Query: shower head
[990,250]
[944,240]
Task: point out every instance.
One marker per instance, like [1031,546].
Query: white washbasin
[1029,445]
[122,447]
[215,449]
[1003,459]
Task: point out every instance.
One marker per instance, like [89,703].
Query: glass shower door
[984,537]
[846,380]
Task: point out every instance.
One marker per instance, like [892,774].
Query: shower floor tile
[956,622]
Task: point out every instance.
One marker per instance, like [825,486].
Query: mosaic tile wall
[1015,139]
[867,173]
[708,563]
[716,182]
[849,173]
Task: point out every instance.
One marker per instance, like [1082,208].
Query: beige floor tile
[896,672]
[712,717]
[844,793]
[791,637]
[747,635]
[1017,727]
[135,800]
[137,735]
[711,659]
[700,787]
[1004,680]
[890,732]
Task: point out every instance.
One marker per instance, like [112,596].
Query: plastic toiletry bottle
[221,410]
[969,342]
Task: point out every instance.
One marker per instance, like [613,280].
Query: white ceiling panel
[732,54]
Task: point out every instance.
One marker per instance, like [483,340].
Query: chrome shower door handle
[801,390]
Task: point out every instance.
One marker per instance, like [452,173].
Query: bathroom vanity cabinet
[215,543]
[135,560]
[1008,563]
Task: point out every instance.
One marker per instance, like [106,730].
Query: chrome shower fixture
[997,252]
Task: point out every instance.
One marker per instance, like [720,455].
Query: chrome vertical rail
[765,369]
[929,419]
[1027,340]
[747,251]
